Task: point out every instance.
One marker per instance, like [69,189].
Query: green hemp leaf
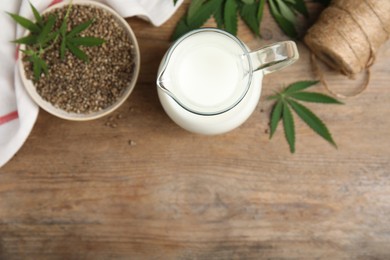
[43,36]
[323,2]
[287,101]
[71,41]
[39,37]
[284,13]
[225,13]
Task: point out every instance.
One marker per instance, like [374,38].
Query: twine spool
[348,34]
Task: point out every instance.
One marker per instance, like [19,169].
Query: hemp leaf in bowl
[44,35]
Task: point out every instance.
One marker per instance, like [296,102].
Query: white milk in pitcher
[207,72]
[206,82]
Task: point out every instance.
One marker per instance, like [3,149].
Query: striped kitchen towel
[18,112]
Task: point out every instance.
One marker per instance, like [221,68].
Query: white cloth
[18,112]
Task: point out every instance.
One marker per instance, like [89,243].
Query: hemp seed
[79,87]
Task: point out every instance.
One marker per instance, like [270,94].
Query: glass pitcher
[209,82]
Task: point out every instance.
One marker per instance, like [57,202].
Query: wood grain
[81,191]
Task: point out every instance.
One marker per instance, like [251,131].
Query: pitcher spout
[163,80]
[162,83]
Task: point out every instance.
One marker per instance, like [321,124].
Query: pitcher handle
[274,57]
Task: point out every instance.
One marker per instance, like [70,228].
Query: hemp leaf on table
[288,99]
[43,36]
[225,13]
[285,14]
[323,2]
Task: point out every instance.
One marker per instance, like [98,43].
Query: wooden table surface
[147,189]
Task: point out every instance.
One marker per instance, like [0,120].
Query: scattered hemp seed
[132,143]
[112,121]
[85,87]
[111,124]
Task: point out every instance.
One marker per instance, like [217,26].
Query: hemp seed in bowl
[79,90]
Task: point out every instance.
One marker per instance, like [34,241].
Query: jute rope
[347,36]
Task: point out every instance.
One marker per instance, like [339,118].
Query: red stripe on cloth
[55,2]
[17,52]
[8,117]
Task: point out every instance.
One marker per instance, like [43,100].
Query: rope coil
[347,36]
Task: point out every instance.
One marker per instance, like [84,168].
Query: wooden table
[146,189]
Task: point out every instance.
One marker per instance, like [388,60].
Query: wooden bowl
[29,85]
